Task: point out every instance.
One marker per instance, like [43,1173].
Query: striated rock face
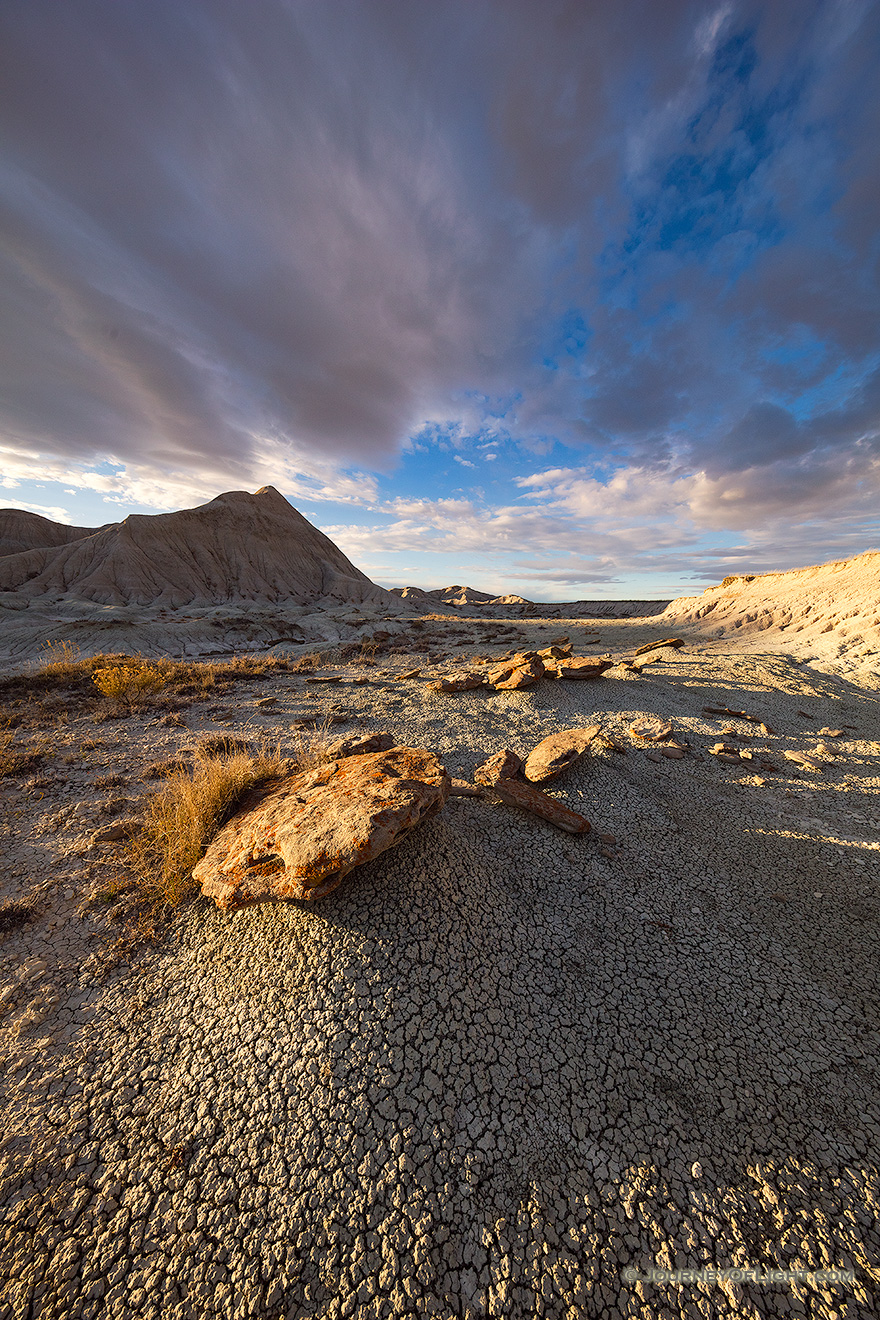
[557,752]
[301,838]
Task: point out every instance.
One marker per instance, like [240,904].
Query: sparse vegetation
[130,682]
[184,815]
[110,684]
[16,759]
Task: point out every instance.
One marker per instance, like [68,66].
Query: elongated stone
[517,794]
[674,642]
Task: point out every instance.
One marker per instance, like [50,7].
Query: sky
[568,298]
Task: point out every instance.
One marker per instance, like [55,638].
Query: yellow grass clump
[183,816]
[129,681]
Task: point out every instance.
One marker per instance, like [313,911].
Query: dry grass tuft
[14,915]
[305,664]
[182,818]
[221,744]
[15,759]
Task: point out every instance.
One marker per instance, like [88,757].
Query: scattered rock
[461,682]
[653,756]
[608,839]
[582,666]
[360,745]
[555,652]
[672,751]
[674,642]
[831,733]
[503,765]
[650,728]
[267,701]
[517,678]
[517,794]
[410,673]
[557,752]
[300,839]
[802,759]
[767,731]
[461,788]
[736,714]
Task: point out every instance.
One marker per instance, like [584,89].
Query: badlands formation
[503,1069]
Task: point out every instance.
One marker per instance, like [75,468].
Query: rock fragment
[461,682]
[557,752]
[581,666]
[517,794]
[503,765]
[674,642]
[461,788]
[650,728]
[116,830]
[359,744]
[803,760]
[299,839]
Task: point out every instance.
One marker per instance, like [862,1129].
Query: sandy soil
[500,1065]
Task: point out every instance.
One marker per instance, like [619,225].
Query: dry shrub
[162,769]
[182,818]
[17,760]
[60,662]
[305,664]
[221,744]
[129,681]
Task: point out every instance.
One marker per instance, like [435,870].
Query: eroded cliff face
[835,606]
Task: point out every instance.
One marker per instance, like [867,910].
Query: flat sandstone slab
[303,836]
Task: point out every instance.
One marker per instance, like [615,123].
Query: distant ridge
[238,547]
[21,531]
[467,598]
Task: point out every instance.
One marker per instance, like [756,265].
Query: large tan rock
[522,670]
[299,839]
[581,666]
[557,752]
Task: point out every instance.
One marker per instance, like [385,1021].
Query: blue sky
[569,299]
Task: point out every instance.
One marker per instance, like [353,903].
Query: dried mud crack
[494,1069]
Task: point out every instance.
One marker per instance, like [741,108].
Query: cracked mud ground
[495,1067]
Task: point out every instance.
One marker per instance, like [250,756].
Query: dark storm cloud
[312,225]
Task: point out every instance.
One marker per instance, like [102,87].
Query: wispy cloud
[244,245]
